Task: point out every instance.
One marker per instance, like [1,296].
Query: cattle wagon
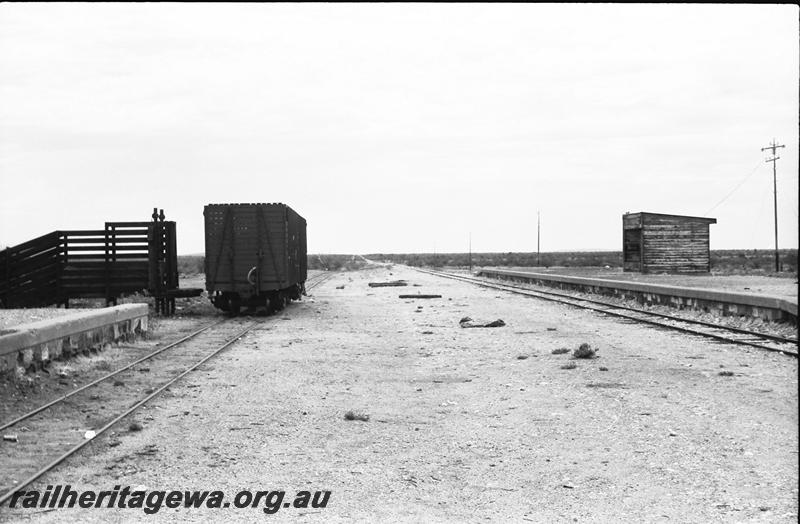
[255,255]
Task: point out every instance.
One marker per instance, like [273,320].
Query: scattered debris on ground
[356,416]
[584,351]
[725,373]
[467,322]
[420,296]
[340,287]
[394,283]
[603,368]
[522,357]
[151,449]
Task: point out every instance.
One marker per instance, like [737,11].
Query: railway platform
[723,302]
[35,343]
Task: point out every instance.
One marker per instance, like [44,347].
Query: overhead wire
[732,191]
[754,226]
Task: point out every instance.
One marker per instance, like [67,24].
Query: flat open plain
[465,425]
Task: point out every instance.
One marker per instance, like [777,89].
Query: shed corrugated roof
[704,219]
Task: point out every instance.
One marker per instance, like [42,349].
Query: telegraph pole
[538,231]
[774,159]
[470,251]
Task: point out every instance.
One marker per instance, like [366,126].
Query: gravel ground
[785,287]
[464,424]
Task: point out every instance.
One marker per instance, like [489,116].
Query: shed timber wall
[656,243]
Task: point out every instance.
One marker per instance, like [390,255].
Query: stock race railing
[123,258]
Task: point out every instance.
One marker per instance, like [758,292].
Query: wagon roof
[244,204]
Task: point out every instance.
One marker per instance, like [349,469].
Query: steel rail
[78,447]
[127,412]
[319,279]
[106,377]
[776,338]
[572,301]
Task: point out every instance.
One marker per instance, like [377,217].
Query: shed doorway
[632,248]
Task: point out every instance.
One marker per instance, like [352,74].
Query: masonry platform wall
[721,302]
[32,346]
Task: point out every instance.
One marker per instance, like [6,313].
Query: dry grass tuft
[102,365]
[725,373]
[356,416]
[560,351]
[135,426]
[584,351]
[569,365]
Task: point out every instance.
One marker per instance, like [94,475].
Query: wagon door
[271,255]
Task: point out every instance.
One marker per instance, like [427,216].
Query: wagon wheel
[281,301]
[235,306]
[274,303]
[296,292]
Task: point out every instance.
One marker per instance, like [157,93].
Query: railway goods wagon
[255,255]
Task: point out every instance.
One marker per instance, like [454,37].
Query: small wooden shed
[658,243]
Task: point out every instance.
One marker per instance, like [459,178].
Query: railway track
[53,432]
[318,279]
[787,346]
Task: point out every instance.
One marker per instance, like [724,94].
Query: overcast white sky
[401,127]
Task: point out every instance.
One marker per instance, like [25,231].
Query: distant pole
[538,236]
[774,159]
[470,251]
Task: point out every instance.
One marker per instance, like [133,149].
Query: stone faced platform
[35,344]
[723,302]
